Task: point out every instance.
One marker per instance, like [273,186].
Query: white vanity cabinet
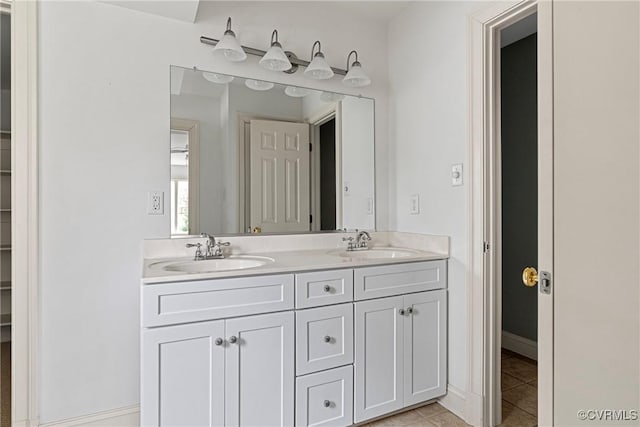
[235,371]
[322,348]
[400,341]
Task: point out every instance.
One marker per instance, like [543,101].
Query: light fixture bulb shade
[258,85]
[331,97]
[275,59]
[229,48]
[356,77]
[319,68]
[217,78]
[296,91]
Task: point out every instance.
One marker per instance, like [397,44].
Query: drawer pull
[327,288]
[327,403]
[409,310]
[219,341]
[401,311]
[233,339]
[327,338]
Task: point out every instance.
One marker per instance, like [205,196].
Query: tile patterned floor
[519,400]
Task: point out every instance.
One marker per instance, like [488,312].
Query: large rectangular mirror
[254,156]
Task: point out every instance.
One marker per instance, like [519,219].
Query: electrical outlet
[155,203]
[414,209]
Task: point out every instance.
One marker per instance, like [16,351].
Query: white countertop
[290,253]
[284,262]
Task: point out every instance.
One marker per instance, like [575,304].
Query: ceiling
[377,12]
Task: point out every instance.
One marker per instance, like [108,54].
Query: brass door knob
[530,276]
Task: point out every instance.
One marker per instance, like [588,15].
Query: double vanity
[292,329]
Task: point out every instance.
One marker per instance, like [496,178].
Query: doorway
[519,221]
[328,175]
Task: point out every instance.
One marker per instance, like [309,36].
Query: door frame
[318,118]
[484,325]
[25,214]
[193,127]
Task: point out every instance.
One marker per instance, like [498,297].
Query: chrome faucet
[361,242]
[213,248]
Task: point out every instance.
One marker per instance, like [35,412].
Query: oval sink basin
[376,253]
[239,262]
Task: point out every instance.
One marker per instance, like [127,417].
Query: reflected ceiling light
[275,59]
[258,84]
[331,96]
[297,92]
[229,47]
[355,76]
[318,68]
[217,78]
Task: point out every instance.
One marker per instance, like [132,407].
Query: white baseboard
[122,417]
[517,344]
[455,401]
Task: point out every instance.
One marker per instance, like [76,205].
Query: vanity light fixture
[229,47]
[318,68]
[217,78]
[331,97]
[275,59]
[355,76]
[258,85]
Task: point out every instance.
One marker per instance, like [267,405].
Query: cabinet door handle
[233,339]
[327,288]
[327,403]
[327,338]
[401,311]
[219,341]
[409,310]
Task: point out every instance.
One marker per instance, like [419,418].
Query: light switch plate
[155,203]
[456,175]
[414,208]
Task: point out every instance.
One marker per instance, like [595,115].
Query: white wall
[104,127]
[357,134]
[428,133]
[206,111]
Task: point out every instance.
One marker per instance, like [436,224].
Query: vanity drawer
[397,279]
[325,398]
[324,288]
[182,302]
[324,338]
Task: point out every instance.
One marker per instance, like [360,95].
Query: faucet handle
[194,245]
[219,243]
[198,246]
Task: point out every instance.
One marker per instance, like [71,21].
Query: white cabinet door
[183,375]
[378,357]
[260,370]
[425,346]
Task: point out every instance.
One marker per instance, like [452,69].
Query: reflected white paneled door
[260,371]
[378,357]
[425,365]
[183,375]
[279,156]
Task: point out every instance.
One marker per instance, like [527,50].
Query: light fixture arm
[317,42]
[228,25]
[349,57]
[274,38]
[257,52]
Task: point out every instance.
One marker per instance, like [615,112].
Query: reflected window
[179,182]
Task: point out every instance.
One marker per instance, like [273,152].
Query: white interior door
[279,153]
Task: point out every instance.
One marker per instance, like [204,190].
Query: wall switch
[155,203]
[456,174]
[414,209]
[369,205]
